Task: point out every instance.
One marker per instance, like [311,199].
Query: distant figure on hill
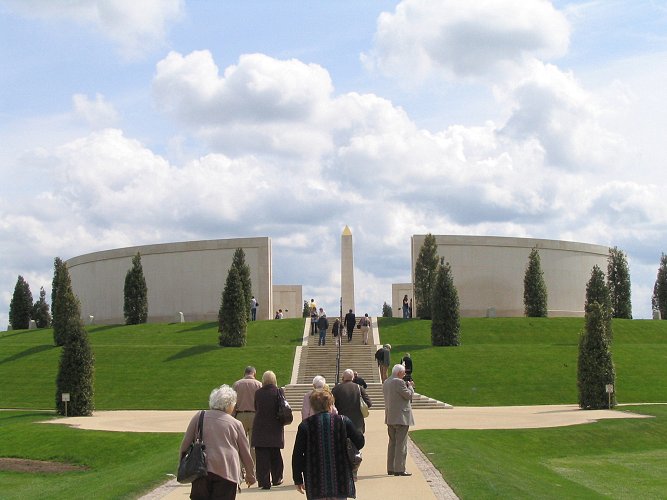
[253,308]
[406,307]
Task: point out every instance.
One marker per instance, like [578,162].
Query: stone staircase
[312,360]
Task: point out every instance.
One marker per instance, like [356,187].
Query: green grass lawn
[610,459]
[151,366]
[523,361]
[501,361]
[119,465]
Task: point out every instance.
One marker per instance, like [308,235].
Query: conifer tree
[660,288]
[598,292]
[426,268]
[232,317]
[386,311]
[76,367]
[244,272]
[59,312]
[446,324]
[534,288]
[595,367]
[618,281]
[306,309]
[135,305]
[20,307]
[40,311]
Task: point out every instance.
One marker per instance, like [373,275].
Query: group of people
[243,437]
[319,324]
[407,307]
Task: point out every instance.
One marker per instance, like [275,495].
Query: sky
[126,122]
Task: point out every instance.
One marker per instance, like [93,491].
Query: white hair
[319,381]
[222,398]
[396,370]
[348,375]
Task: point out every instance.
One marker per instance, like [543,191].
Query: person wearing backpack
[365,326]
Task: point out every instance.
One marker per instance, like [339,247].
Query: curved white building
[185,277]
[488,272]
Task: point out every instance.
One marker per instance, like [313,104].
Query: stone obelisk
[346,271]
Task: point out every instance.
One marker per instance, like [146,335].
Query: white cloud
[98,113]
[135,27]
[465,39]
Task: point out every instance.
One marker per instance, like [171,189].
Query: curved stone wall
[488,272]
[185,277]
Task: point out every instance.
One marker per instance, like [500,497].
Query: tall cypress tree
[595,367]
[534,288]
[55,319]
[598,292]
[660,288]
[244,273]
[446,324]
[618,281]
[232,317]
[20,307]
[76,368]
[40,311]
[426,268]
[135,305]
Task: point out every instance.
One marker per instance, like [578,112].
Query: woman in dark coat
[320,465]
[268,437]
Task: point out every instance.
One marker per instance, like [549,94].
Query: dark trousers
[269,466]
[349,333]
[213,487]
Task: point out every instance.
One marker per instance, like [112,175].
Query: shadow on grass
[195,350]
[198,328]
[28,352]
[94,329]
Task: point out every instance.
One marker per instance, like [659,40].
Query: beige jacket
[397,402]
[226,445]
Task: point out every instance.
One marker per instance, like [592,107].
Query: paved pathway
[426,482]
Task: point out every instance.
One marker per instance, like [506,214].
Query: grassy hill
[523,361]
[152,366]
[500,361]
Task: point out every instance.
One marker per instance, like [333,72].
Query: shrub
[426,268]
[40,311]
[244,273]
[20,307]
[386,311]
[233,318]
[595,368]
[534,288]
[446,324]
[618,281]
[135,306]
[76,367]
[660,288]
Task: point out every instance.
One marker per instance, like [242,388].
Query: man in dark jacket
[322,327]
[350,320]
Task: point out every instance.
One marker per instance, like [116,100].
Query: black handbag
[284,411]
[353,454]
[193,463]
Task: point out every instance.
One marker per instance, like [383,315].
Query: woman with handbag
[321,466]
[226,446]
[349,397]
[268,436]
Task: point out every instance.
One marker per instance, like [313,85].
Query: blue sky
[125,123]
